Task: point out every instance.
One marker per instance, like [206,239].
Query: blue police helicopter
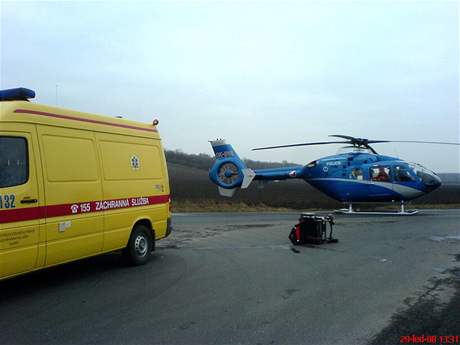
[356,175]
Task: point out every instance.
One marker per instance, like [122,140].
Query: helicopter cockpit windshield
[428,177]
[353,149]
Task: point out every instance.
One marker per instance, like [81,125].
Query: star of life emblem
[135,162]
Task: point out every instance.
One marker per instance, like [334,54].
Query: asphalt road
[236,279]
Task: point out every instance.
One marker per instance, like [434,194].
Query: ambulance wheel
[140,245]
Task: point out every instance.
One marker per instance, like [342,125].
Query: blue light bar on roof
[18,94]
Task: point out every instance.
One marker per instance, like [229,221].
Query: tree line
[204,161]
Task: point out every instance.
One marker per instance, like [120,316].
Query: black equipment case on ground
[312,229]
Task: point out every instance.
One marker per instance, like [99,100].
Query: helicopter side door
[406,182]
[380,186]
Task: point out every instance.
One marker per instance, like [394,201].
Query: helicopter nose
[433,182]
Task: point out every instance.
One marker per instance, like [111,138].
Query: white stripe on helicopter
[405,191]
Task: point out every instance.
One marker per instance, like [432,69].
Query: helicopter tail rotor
[229,172]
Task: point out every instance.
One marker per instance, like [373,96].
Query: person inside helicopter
[380,174]
[402,174]
[357,174]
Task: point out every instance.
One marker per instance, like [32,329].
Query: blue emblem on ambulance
[135,162]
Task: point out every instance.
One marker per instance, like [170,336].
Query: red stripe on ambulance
[75,118]
[31,213]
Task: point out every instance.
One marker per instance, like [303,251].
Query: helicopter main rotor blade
[378,141]
[368,141]
[414,142]
[301,144]
[342,136]
[358,141]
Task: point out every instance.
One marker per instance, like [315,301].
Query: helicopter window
[403,175]
[380,173]
[357,174]
[427,176]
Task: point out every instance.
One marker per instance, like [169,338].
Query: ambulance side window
[14,167]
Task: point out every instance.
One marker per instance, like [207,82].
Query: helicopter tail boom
[229,172]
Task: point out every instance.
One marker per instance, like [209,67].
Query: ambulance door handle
[28,201]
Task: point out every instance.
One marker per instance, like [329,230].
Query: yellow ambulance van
[74,185]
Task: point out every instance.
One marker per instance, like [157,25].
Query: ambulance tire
[140,245]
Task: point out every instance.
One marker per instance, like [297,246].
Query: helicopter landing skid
[401,212]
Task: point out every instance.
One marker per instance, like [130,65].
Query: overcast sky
[256,73]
